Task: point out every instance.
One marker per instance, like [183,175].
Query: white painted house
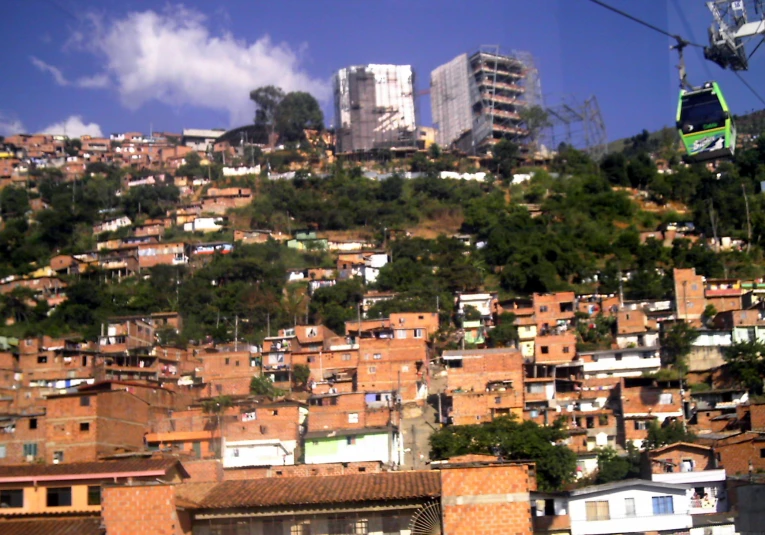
[274,452]
[629,506]
[352,446]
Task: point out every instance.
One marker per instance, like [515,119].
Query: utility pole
[748,220]
[713,221]
[236,332]
[621,291]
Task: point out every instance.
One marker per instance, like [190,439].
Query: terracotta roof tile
[51,526]
[314,490]
[76,469]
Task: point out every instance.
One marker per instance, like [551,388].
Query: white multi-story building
[375,107]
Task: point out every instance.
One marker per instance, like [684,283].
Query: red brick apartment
[483,384]
[140,496]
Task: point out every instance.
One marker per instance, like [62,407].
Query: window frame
[663,505]
[62,495]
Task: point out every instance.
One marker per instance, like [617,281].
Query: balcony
[624,364]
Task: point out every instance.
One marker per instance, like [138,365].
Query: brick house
[690,300]
[484,383]
[86,426]
[70,498]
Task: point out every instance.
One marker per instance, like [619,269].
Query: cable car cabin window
[702,111]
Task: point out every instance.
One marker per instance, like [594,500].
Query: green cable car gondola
[705,124]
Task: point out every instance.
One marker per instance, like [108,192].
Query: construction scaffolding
[477,99]
[579,125]
[375,107]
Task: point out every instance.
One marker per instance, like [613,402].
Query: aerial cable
[689,31]
[755,49]
[755,93]
[644,23]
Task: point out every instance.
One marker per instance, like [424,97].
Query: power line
[644,23]
[755,93]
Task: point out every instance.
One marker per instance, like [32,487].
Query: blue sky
[138,63]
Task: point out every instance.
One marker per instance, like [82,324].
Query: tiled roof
[30,471]
[51,526]
[313,490]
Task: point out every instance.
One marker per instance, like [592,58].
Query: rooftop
[51,526]
[312,490]
[89,470]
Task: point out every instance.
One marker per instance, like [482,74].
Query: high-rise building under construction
[374,107]
[476,99]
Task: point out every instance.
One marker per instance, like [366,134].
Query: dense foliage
[515,440]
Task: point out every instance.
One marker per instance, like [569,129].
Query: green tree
[266,99]
[505,333]
[296,112]
[72,147]
[505,156]
[300,374]
[260,385]
[746,364]
[666,433]
[217,405]
[514,440]
[615,467]
[535,119]
[676,344]
[14,202]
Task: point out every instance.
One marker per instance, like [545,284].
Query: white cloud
[73,127]
[58,76]
[9,127]
[91,82]
[174,58]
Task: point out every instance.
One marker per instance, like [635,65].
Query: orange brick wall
[486,500]
[704,460]
[735,457]
[140,510]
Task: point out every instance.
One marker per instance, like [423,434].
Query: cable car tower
[736,23]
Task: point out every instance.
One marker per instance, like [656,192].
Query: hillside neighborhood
[382,327]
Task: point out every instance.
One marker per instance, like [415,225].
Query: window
[418,333]
[84,427]
[301,527]
[641,425]
[33,423]
[3,451]
[237,363]
[372,369]
[603,420]
[566,349]
[58,456]
[545,350]
[12,498]
[543,308]
[42,360]
[85,401]
[629,506]
[392,524]
[597,510]
[94,495]
[400,333]
[762,453]
[377,356]
[665,399]
[535,388]
[353,418]
[346,356]
[662,505]
[59,497]
[228,361]
[350,441]
[311,359]
[30,449]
